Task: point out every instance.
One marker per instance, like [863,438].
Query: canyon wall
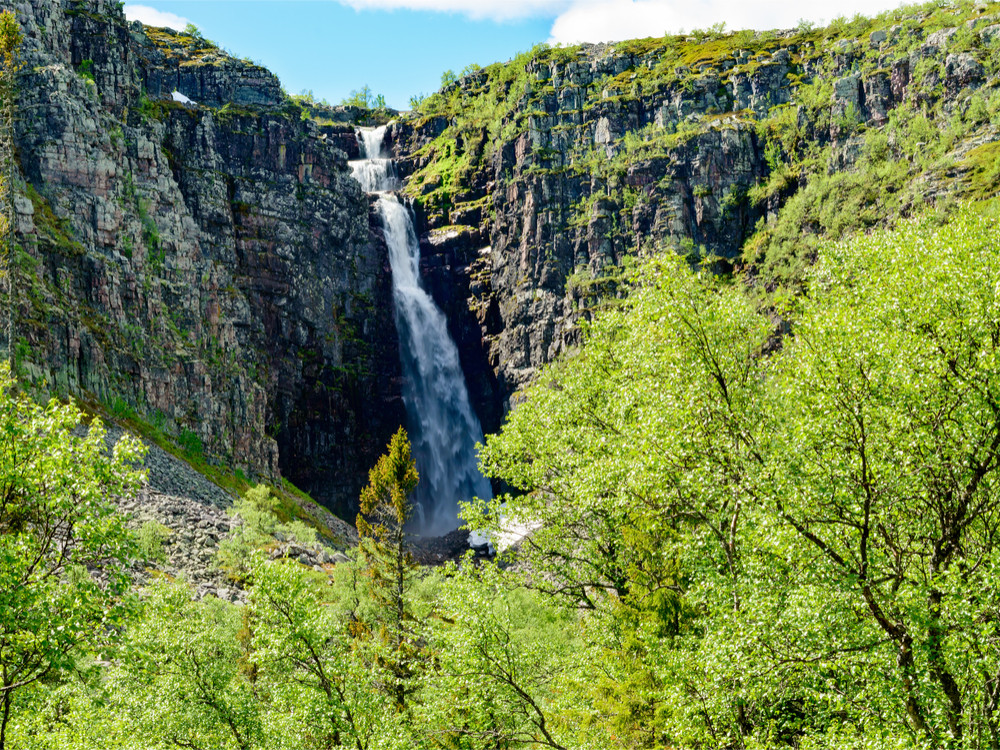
[539,180]
[211,270]
[207,268]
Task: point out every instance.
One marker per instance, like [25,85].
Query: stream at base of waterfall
[443,428]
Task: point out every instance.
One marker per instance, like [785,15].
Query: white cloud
[497,10]
[154,17]
[614,20]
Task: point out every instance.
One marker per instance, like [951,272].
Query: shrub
[150,538]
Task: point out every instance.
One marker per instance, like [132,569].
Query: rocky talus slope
[538,179]
[190,516]
[205,268]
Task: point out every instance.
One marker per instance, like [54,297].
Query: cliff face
[213,270]
[206,268]
[744,149]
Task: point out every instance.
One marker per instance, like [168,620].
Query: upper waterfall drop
[375,170]
[443,427]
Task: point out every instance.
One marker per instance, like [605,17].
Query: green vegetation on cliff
[878,112]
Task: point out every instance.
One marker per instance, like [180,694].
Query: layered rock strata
[206,268]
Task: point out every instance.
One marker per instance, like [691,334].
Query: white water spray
[375,171]
[443,428]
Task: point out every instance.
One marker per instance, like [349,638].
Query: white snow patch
[177,96]
[510,534]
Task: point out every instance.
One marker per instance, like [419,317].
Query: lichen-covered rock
[207,268]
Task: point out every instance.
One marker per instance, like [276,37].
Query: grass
[53,231]
[187,447]
[983,165]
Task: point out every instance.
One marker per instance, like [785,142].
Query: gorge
[210,271]
[723,307]
[442,426]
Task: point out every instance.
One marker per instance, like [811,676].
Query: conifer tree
[388,564]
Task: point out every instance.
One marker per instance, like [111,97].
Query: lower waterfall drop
[443,428]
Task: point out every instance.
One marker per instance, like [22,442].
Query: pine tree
[388,564]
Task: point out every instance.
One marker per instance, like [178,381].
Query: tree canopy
[807,519]
[64,551]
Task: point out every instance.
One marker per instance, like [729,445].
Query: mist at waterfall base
[442,426]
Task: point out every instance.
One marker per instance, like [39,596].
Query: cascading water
[442,425]
[376,172]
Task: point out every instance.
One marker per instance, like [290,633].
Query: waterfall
[375,171]
[443,428]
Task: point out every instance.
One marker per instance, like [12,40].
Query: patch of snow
[177,96]
[510,534]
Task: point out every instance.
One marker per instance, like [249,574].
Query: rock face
[206,268]
[212,269]
[599,153]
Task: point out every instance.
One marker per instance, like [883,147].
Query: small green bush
[190,443]
[150,539]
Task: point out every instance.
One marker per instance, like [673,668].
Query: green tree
[887,467]
[637,457]
[780,542]
[320,687]
[257,528]
[183,676]
[502,663]
[605,450]
[385,510]
[64,552]
[362,98]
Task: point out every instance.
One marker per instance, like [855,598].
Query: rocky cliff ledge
[537,180]
[206,268]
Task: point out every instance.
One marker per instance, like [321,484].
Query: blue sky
[400,47]
[332,49]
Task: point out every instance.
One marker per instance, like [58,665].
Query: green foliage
[388,565]
[983,163]
[56,527]
[304,649]
[505,661]
[183,677]
[86,70]
[364,98]
[190,443]
[121,409]
[780,548]
[147,108]
[359,98]
[606,425]
[150,539]
[258,528]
